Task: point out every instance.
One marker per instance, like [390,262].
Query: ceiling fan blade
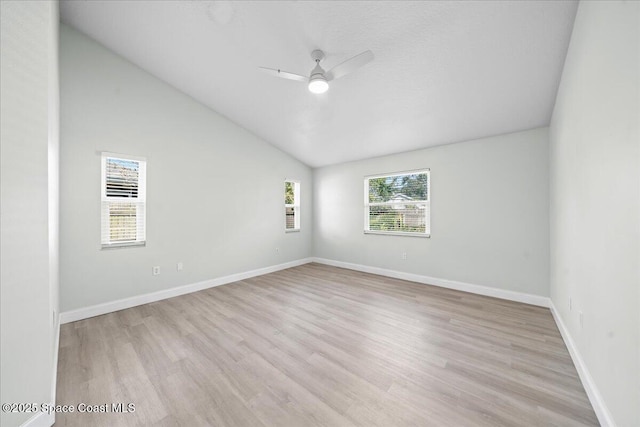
[349,65]
[284,74]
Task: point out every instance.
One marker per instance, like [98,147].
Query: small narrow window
[123,200]
[398,203]
[291,206]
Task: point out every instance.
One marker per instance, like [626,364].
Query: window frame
[427,202]
[295,205]
[140,200]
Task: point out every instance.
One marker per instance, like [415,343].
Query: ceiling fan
[319,78]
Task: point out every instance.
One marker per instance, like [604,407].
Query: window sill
[292,230]
[398,233]
[123,245]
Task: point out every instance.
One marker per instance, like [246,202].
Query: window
[123,200]
[398,203]
[291,206]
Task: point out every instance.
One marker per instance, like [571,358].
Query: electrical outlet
[581,320]
[180,266]
[156,270]
[404,255]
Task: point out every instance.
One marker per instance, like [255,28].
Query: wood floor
[319,345]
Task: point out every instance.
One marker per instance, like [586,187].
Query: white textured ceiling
[443,71]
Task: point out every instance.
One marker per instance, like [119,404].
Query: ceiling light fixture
[318,84]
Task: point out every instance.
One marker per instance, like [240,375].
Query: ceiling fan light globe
[318,85]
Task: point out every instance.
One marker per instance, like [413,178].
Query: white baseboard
[121,304]
[41,419]
[600,408]
[443,283]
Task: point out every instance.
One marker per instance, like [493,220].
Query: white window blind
[123,200]
[291,206]
[398,203]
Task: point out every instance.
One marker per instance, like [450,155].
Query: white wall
[595,200]
[215,192]
[489,221]
[28,187]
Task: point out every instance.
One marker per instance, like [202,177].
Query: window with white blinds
[291,206]
[123,200]
[398,203]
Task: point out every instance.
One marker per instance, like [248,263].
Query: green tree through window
[288,193]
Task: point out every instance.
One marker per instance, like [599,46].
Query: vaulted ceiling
[444,71]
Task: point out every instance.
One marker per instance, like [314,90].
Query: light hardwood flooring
[322,346]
